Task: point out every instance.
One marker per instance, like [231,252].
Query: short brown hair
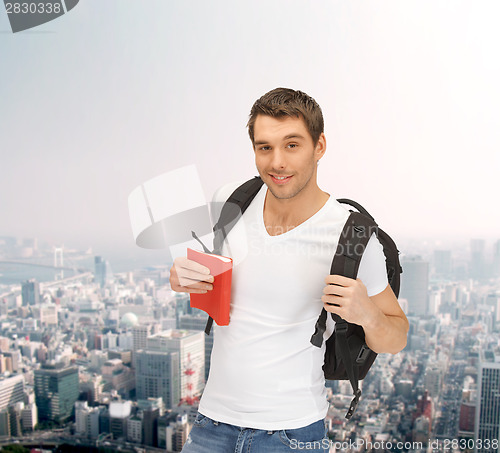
[282,102]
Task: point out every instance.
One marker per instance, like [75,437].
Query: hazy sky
[116,92]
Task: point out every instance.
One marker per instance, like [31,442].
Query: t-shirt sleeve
[372,271]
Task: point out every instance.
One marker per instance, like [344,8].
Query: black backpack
[346,356]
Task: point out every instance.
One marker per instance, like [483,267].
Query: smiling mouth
[280,179]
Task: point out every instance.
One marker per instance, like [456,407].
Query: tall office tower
[171,366]
[487,418]
[176,433]
[29,417]
[93,423]
[150,425]
[467,416]
[15,419]
[5,423]
[81,415]
[4,344]
[48,315]
[56,390]
[103,274]
[495,269]
[414,284]
[157,375]
[433,380]
[140,333]
[442,263]
[190,346]
[182,306]
[477,265]
[199,322]
[11,390]
[30,292]
[134,429]
[493,301]
[151,409]
[119,412]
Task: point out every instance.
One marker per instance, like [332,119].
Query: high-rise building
[487,418]
[495,269]
[134,429]
[5,423]
[103,274]
[31,292]
[493,301]
[467,416]
[151,409]
[119,412]
[414,284]
[157,375]
[29,417]
[171,366]
[56,390]
[48,315]
[140,333]
[442,263]
[190,345]
[199,322]
[176,433]
[11,390]
[433,380]
[477,267]
[81,417]
[150,425]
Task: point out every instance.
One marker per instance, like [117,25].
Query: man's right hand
[188,276]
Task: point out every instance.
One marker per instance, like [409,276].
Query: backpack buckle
[354,404]
[362,354]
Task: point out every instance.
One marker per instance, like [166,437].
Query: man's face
[285,155]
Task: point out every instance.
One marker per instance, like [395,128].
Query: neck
[281,215]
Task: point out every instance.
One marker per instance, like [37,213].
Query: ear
[320,148]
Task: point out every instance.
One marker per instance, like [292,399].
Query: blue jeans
[209,436]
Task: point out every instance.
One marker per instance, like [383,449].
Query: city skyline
[115,328]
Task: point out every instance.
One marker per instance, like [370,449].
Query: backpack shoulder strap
[233,209]
[352,243]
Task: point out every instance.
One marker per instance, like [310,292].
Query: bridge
[50,266]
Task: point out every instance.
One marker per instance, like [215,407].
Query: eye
[292,145]
[264,148]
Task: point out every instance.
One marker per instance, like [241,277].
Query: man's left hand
[349,299]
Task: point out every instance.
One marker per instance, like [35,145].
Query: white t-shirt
[265,373]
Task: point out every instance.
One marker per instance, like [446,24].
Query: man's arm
[385,324]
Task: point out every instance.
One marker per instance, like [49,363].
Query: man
[265,391]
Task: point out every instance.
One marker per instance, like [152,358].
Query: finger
[331,308]
[186,263]
[194,284]
[338,280]
[189,286]
[183,289]
[335,290]
[331,300]
[194,275]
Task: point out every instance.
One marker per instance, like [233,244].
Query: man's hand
[188,276]
[349,299]
[381,317]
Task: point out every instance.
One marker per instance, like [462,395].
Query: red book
[217,301]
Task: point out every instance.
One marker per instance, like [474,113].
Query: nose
[279,159]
